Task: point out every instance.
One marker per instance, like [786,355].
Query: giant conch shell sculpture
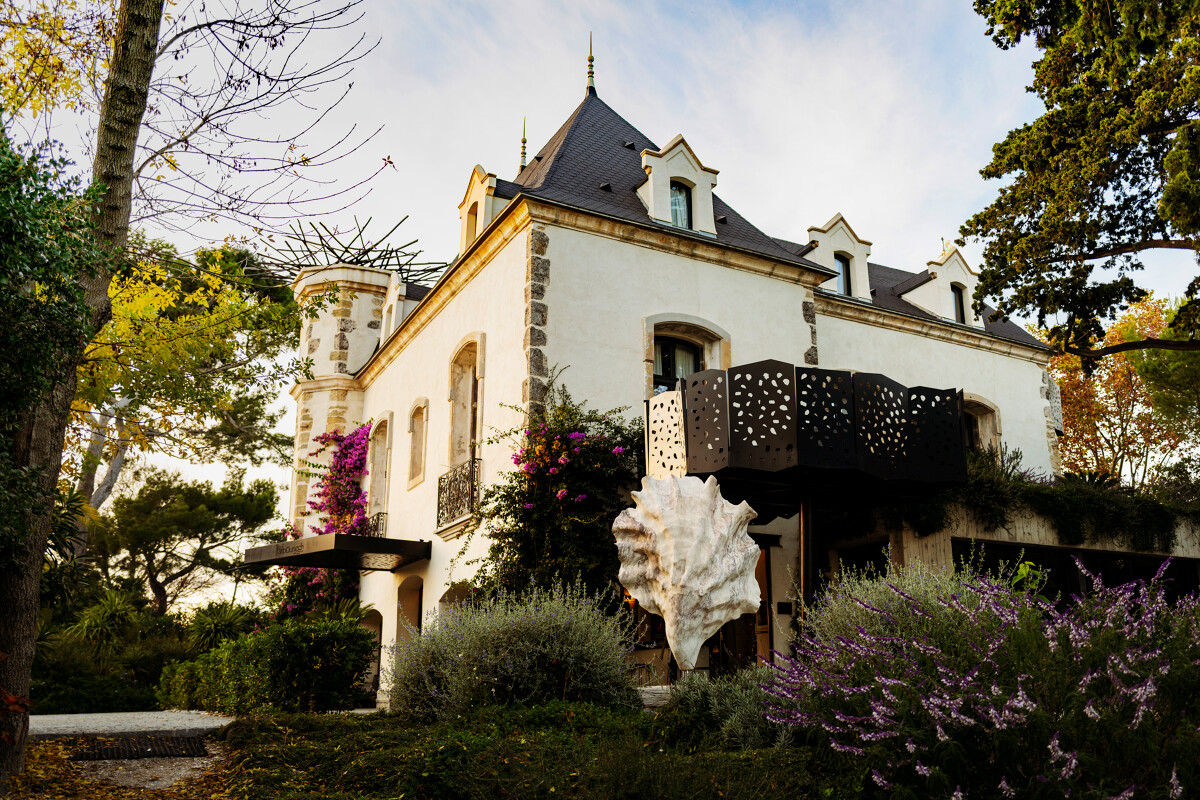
[685,555]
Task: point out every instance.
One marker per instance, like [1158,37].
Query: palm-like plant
[104,626]
[217,622]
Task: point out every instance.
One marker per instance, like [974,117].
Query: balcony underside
[340,551]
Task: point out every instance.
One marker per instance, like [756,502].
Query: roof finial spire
[522,143]
[591,60]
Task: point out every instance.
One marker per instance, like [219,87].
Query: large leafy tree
[181,96]
[188,365]
[178,536]
[1113,422]
[1110,171]
[45,246]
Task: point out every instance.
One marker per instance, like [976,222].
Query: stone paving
[126,723]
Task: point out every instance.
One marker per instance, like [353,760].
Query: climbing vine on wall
[302,590]
[340,498]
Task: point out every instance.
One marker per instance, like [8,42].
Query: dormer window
[843,277]
[960,305]
[681,205]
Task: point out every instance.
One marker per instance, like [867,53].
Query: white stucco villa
[613,257]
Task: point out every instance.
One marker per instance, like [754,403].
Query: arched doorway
[408,607]
[373,621]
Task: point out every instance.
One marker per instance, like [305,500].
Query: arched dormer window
[960,305]
[681,205]
[843,278]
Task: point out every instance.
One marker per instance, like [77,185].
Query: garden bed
[560,750]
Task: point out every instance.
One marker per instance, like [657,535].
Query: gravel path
[145,723]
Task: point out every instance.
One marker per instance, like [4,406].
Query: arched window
[982,421]
[960,304]
[379,468]
[464,409]
[472,222]
[681,205]
[416,444]
[674,359]
[843,278]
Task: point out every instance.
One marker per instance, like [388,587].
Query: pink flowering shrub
[298,591]
[341,500]
[961,686]
[550,519]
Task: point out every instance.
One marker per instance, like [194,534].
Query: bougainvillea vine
[340,498]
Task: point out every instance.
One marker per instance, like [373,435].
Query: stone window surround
[715,342]
[478,339]
[988,413]
[378,484]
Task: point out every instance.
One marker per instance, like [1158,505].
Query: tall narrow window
[416,440]
[681,205]
[673,359]
[379,468]
[465,409]
[960,305]
[843,277]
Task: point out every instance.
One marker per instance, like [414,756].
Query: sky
[882,111]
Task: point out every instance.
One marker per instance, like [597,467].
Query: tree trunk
[39,442]
[157,589]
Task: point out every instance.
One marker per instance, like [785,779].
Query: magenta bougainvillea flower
[340,498]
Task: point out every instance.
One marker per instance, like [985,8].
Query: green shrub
[546,644]
[556,750]
[217,622]
[729,708]
[291,666]
[552,516]
[90,694]
[843,607]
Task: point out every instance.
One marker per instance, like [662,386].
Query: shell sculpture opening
[686,556]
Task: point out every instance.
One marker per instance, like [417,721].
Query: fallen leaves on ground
[49,776]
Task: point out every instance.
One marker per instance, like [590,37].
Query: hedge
[290,666]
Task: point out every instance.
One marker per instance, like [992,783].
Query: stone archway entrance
[409,609]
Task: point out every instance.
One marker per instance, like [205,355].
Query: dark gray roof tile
[589,151]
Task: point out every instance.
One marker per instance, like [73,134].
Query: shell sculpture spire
[686,556]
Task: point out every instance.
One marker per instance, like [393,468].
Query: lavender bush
[970,688]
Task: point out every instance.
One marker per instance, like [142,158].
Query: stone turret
[339,341]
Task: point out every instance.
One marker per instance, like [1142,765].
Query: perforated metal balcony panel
[340,551]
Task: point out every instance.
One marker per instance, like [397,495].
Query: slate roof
[590,150]
[596,146]
[887,282]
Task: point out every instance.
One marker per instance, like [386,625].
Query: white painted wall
[1012,384]
[493,302]
[601,289]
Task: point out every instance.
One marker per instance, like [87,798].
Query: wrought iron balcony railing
[458,492]
[377,525]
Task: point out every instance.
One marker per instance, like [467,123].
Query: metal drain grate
[97,748]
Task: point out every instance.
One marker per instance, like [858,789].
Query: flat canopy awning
[340,551]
